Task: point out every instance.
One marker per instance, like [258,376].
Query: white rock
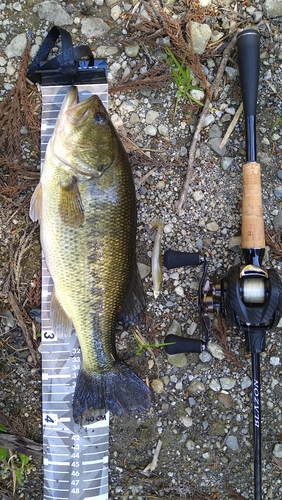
[187,421]
[179,291]
[216,350]
[215,385]
[274,360]
[272,8]
[162,129]
[3,61]
[227,383]
[212,226]
[132,50]
[115,12]
[277,452]
[93,26]
[246,382]
[17,46]
[151,116]
[232,443]
[150,130]
[200,34]
[53,12]
[198,195]
[196,387]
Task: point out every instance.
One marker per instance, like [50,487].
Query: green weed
[141,345]
[182,78]
[16,464]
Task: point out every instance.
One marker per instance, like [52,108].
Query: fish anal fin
[133,306]
[70,204]
[60,322]
[35,210]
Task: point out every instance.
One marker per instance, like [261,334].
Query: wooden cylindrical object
[252,216]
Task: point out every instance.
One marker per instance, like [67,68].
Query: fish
[85,203]
[157,274]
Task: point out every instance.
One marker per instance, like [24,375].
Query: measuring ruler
[75,457]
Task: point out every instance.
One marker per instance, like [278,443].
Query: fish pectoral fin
[60,322]
[70,204]
[35,210]
[133,306]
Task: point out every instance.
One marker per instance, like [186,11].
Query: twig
[22,325]
[20,444]
[231,126]
[214,92]
[153,465]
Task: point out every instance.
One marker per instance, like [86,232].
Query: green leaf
[19,476]
[3,454]
[3,428]
[24,459]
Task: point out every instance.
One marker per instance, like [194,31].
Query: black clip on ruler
[75,457]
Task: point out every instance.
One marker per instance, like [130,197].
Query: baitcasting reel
[249,297]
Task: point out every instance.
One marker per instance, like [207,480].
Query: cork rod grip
[252,216]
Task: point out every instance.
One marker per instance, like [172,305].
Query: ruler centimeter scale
[75,457]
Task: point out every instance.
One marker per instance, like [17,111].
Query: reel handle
[182,344]
[174,258]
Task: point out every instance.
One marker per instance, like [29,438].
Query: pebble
[232,443]
[227,383]
[278,192]
[151,116]
[274,360]
[198,195]
[277,451]
[205,357]
[132,50]
[91,25]
[157,385]
[215,385]
[116,12]
[163,129]
[214,144]
[196,387]
[212,226]
[200,34]
[150,130]
[53,12]
[225,399]
[190,444]
[17,46]
[226,162]
[216,350]
[187,421]
[246,382]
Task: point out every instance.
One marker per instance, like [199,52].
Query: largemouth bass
[85,203]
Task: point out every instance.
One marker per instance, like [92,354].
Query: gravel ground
[203,407]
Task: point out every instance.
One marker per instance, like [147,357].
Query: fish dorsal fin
[35,211]
[70,204]
[60,322]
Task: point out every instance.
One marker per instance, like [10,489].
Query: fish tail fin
[120,390]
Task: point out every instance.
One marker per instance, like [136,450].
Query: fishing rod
[249,296]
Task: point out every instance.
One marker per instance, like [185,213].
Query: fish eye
[100,118]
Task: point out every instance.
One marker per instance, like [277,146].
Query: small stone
[235,244]
[151,116]
[162,129]
[277,452]
[53,12]
[226,162]
[212,226]
[278,192]
[274,360]
[91,26]
[209,119]
[198,195]
[3,61]
[225,399]
[115,12]
[157,385]
[197,94]
[179,290]
[272,8]
[200,34]
[187,421]
[183,151]
[232,443]
[150,130]
[231,72]
[190,444]
[216,350]
[17,46]
[214,385]
[214,144]
[278,219]
[205,357]
[144,270]
[227,383]
[132,50]
[246,382]
[196,387]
